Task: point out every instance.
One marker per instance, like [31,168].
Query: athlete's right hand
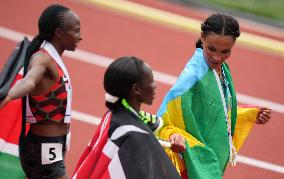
[177,143]
[4,102]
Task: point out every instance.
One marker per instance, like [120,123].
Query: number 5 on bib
[50,153]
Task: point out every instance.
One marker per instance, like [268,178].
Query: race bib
[51,152]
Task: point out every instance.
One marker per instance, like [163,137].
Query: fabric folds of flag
[194,108]
[123,147]
[11,115]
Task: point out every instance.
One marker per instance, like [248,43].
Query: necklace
[223,86]
[219,72]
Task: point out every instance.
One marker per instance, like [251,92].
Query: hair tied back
[110,98]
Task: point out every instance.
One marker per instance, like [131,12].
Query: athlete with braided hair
[46,91]
[202,106]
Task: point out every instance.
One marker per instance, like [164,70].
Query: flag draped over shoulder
[194,108]
[123,147]
[11,115]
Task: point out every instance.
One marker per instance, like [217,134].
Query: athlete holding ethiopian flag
[202,105]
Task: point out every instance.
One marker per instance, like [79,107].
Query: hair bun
[110,98]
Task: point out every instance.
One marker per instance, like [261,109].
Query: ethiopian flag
[11,115]
[196,108]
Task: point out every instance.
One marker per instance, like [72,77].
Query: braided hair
[220,24]
[51,18]
[120,76]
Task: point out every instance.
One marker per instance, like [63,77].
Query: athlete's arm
[37,69]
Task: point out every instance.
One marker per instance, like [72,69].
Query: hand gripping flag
[210,121]
[123,147]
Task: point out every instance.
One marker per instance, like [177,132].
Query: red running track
[167,50]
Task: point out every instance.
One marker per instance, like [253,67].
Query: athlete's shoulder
[41,58]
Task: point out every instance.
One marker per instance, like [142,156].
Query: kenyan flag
[11,118]
[11,115]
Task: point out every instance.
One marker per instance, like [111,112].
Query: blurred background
[264,11]
[163,33]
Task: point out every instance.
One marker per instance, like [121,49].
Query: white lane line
[261,164]
[83,117]
[161,77]
[242,98]
[185,23]
[87,118]
[101,61]
[93,120]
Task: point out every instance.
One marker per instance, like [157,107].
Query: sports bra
[50,106]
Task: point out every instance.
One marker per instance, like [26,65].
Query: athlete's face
[71,32]
[216,49]
[147,86]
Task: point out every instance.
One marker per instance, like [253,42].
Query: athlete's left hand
[263,116]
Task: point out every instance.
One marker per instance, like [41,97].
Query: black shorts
[43,157]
